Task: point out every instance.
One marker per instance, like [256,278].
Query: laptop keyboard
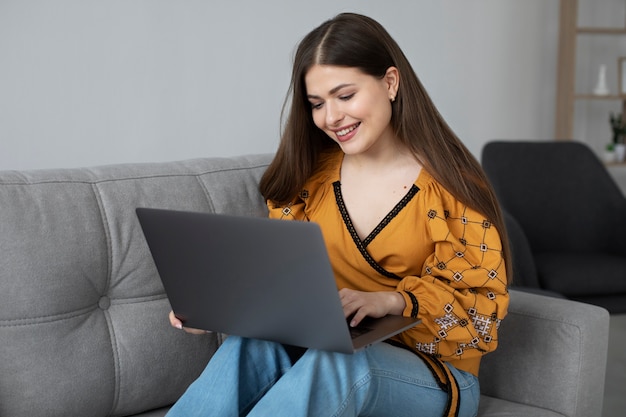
[359,331]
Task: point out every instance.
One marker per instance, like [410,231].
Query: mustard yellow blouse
[443,257]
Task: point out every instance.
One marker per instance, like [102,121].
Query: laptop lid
[255,277]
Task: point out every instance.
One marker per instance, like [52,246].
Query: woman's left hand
[363,304]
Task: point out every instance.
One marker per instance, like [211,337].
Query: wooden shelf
[566,72]
[599,97]
[601,31]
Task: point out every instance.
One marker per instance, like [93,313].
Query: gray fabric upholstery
[568,273]
[548,185]
[551,355]
[495,407]
[524,268]
[83,316]
[566,203]
[155,413]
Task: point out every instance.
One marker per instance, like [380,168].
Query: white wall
[86,82]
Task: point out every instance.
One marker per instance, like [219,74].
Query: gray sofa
[83,316]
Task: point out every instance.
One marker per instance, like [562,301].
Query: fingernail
[179,326]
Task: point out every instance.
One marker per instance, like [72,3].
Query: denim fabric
[256,378]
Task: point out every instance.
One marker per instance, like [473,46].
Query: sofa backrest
[83,315]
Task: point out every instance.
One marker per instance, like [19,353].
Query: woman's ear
[392,80]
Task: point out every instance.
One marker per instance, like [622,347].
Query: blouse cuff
[412,305]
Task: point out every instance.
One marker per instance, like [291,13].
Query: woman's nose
[333,114]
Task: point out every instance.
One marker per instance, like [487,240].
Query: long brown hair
[352,40]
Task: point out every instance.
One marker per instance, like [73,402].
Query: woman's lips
[347,132]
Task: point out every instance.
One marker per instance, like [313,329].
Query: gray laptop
[255,277]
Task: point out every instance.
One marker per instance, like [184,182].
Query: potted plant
[619,130]
[609,153]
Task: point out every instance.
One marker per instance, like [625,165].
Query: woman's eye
[316,106]
[346,97]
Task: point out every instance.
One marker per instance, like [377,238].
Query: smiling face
[351,107]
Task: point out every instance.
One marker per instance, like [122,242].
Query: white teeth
[347,130]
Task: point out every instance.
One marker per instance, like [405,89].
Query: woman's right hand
[175,322]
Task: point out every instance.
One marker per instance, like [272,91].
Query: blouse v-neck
[362,244]
[381,225]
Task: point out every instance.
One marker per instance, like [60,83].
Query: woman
[411,225]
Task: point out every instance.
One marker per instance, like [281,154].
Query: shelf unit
[566,68]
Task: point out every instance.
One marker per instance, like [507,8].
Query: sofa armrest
[552,354]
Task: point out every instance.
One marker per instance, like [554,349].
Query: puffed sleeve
[462,294]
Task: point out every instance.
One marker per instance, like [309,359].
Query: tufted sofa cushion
[83,315]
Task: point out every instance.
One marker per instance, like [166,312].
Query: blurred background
[86,82]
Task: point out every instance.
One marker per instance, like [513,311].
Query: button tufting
[104,303]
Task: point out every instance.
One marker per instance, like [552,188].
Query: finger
[175,322]
[194,331]
[358,317]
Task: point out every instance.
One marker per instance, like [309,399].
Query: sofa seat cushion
[495,407]
[161,412]
[585,274]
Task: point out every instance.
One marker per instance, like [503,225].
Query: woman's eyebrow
[332,91]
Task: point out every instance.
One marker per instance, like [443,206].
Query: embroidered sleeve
[462,295]
[295,210]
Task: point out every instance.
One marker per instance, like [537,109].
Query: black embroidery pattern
[393,213]
[415,303]
[361,245]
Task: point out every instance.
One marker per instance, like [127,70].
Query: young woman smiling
[412,228]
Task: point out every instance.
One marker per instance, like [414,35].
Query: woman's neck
[381,158]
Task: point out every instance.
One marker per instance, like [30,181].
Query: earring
[392,98]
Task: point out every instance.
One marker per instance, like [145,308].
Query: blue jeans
[256,378]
